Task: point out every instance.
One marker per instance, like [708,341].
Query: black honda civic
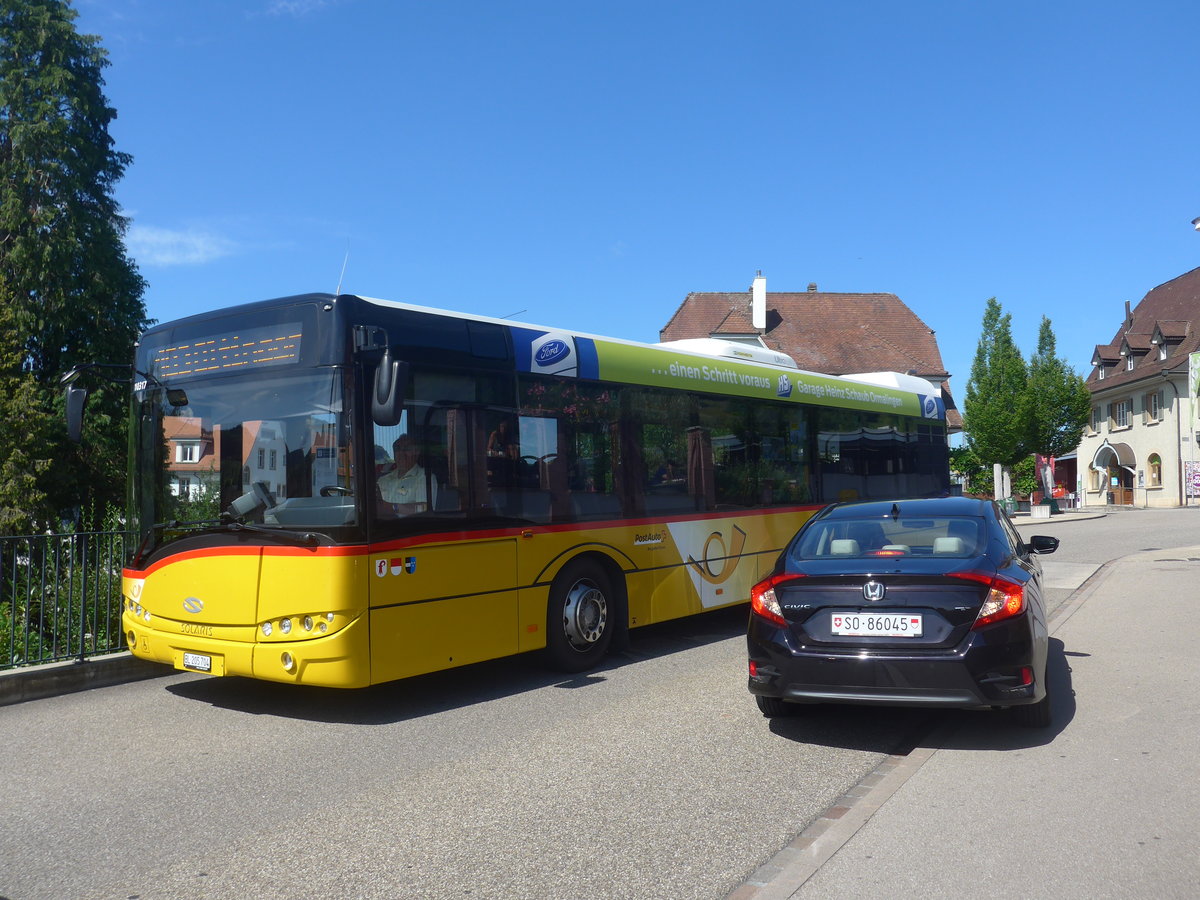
[910,602]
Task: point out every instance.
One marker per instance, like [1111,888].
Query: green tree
[69,294]
[977,478]
[1057,403]
[992,422]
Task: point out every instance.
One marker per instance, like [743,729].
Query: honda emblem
[874,591]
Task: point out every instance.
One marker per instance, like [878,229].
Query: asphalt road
[654,777]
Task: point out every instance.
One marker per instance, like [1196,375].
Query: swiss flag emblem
[837,621]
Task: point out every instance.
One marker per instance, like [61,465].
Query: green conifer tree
[1057,403]
[68,291]
[992,408]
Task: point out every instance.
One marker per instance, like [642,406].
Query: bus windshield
[285,438]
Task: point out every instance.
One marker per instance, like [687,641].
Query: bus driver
[405,485]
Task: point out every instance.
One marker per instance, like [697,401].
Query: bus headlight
[285,660]
[288,627]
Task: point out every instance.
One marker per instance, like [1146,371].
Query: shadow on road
[425,695]
[898,730]
[991,731]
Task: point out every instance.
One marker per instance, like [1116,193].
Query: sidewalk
[1066,515]
[1103,804]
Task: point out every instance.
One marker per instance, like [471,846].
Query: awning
[1110,454]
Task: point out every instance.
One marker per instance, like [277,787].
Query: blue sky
[587,164]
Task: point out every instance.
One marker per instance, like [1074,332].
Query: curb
[40,682]
[786,872]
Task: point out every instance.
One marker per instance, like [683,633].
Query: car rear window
[954,537]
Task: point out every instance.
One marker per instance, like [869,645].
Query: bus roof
[708,365]
[728,367]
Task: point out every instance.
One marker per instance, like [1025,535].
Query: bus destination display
[270,345]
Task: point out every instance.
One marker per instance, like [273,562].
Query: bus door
[444,568]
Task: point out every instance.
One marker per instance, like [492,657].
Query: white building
[1139,448]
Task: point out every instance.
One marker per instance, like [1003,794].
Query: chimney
[758,301]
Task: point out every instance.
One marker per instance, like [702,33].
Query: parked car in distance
[933,603]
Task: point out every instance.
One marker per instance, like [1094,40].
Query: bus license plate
[197,661]
[876,625]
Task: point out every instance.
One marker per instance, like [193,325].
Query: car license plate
[197,661]
[876,624]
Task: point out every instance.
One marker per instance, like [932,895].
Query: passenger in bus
[503,456]
[501,442]
[669,473]
[405,486]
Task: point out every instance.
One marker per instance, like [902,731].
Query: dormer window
[1129,363]
[187,451]
[1162,352]
[1100,372]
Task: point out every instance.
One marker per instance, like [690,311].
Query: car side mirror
[1042,543]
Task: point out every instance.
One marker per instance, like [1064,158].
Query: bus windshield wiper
[152,540]
[229,523]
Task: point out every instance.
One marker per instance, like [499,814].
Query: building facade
[1139,448]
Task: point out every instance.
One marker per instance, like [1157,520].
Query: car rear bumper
[983,671]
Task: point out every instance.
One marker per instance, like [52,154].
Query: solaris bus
[341,491]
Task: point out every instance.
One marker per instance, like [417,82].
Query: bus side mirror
[76,398]
[391,385]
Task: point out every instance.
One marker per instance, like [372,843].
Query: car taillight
[763,601]
[1004,600]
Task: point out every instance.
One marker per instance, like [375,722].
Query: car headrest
[949,546]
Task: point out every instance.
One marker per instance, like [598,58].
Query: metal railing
[60,596]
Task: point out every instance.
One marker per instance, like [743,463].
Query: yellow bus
[341,491]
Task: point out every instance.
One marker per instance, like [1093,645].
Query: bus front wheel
[580,618]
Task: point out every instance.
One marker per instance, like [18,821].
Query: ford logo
[192,605]
[551,352]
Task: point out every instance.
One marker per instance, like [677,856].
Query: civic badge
[874,591]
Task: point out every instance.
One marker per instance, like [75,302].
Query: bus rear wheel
[579,619]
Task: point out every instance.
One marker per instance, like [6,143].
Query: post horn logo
[716,552]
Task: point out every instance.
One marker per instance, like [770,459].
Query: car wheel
[579,619]
[774,706]
[1034,715]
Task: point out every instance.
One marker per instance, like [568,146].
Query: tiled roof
[831,333]
[1171,330]
[1174,309]
[737,321]
[1136,342]
[836,334]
